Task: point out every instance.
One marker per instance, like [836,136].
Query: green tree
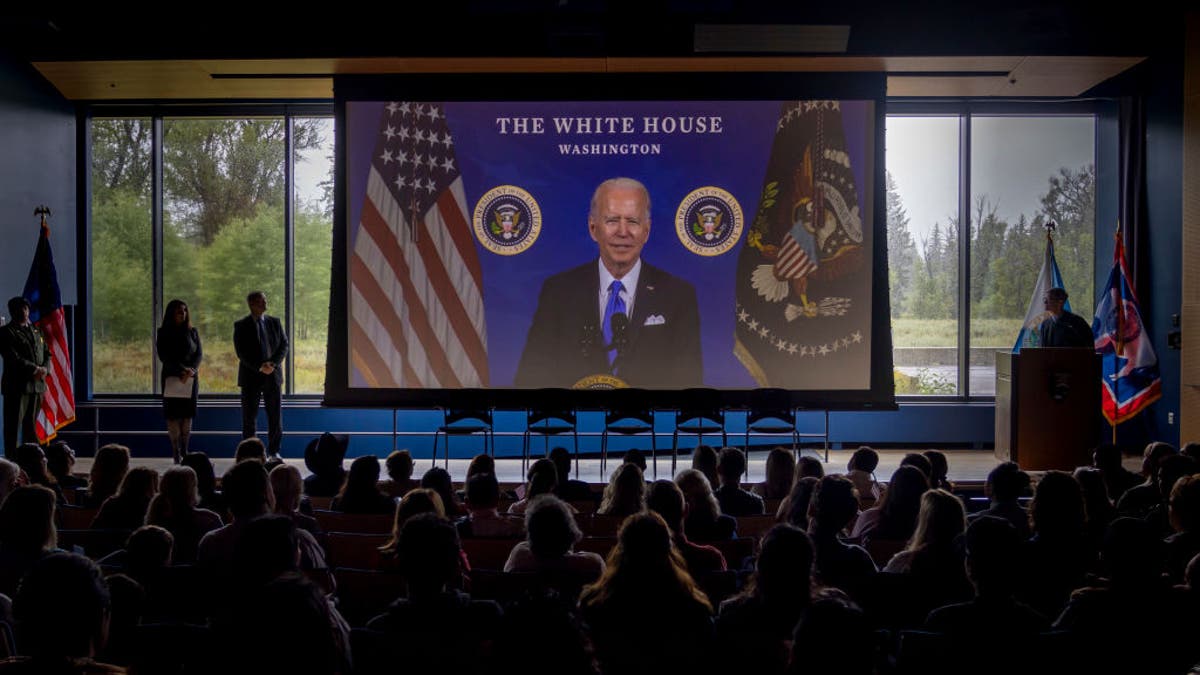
[902,251]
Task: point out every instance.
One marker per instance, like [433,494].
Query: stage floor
[966,466]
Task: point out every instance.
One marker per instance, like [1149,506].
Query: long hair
[781,465]
[1057,508]
[783,572]
[901,503]
[417,501]
[699,495]
[177,496]
[542,479]
[360,481]
[168,320]
[644,563]
[108,470]
[625,493]
[27,519]
[941,519]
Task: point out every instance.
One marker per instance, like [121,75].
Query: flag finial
[1050,226]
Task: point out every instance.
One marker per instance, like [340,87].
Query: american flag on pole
[1129,369]
[46,312]
[416,298]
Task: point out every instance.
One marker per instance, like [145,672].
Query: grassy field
[944,332]
[126,367]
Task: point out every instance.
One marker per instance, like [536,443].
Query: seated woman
[781,467]
[895,517]
[126,510]
[933,557]
[542,480]
[175,509]
[32,461]
[625,493]
[438,480]
[60,460]
[361,493]
[399,465]
[704,520]
[646,591]
[26,533]
[551,534]
[754,626]
[206,483]
[108,470]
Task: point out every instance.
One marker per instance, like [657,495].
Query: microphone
[587,339]
[620,331]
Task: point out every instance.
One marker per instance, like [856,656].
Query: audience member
[483,519]
[54,641]
[833,637]
[793,510]
[481,463]
[176,509]
[250,449]
[32,460]
[809,466]
[920,461]
[666,499]
[1140,499]
[206,482]
[10,478]
[1059,554]
[542,634]
[625,493]
[933,557]
[1191,449]
[939,470]
[1170,470]
[1099,508]
[635,457]
[895,517]
[1118,479]
[108,470]
[288,488]
[399,466]
[646,591]
[703,520]
[704,460]
[1136,605]
[568,489]
[27,533]
[438,480]
[781,465]
[860,470]
[733,499]
[148,551]
[60,460]
[360,493]
[994,616]
[542,479]
[551,535]
[436,629]
[323,456]
[1184,544]
[126,510]
[1005,485]
[753,628]
[839,565]
[414,503]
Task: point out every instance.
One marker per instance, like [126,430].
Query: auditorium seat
[95,544]
[335,521]
[599,525]
[755,527]
[320,503]
[364,594]
[355,549]
[735,550]
[882,550]
[718,586]
[598,545]
[173,648]
[488,554]
[75,517]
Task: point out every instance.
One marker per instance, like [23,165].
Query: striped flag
[1048,278]
[1129,367]
[46,312]
[416,298]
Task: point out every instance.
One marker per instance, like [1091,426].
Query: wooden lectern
[1047,407]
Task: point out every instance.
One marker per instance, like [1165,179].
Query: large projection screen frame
[631,87]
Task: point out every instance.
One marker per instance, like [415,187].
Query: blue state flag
[1129,369]
[1048,278]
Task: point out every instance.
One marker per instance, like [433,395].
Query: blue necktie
[262,339]
[615,305]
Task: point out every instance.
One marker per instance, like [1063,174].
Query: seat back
[355,549]
[75,517]
[550,417]
[771,405]
[465,416]
[367,523]
[363,594]
[700,404]
[95,544]
[488,554]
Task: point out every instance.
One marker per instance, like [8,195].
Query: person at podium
[1062,328]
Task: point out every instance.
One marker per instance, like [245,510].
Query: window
[1025,171]
[225,231]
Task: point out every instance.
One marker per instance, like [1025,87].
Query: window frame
[965,111]
[156,114]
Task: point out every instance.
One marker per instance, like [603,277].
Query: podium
[1047,407]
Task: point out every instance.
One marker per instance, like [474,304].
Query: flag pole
[43,212]
[1120,334]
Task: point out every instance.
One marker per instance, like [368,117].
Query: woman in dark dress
[179,350]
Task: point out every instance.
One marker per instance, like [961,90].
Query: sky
[1012,161]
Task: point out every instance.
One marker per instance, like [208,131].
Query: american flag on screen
[46,311]
[416,298]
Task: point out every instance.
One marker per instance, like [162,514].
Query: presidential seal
[600,382]
[507,220]
[708,221]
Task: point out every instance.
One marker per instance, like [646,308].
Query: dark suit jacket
[664,355]
[249,353]
[23,351]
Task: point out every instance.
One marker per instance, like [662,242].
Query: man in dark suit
[655,340]
[26,361]
[1062,328]
[261,347]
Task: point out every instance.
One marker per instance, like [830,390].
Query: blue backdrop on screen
[534,166]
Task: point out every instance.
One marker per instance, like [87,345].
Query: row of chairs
[769,414]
